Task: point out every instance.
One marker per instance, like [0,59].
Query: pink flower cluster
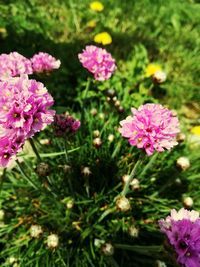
[24,110]
[97,61]
[14,64]
[152,127]
[44,62]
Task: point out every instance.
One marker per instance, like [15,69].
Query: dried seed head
[159,77]
[133,231]
[107,249]
[86,171]
[35,231]
[43,169]
[123,204]
[188,202]
[52,241]
[183,163]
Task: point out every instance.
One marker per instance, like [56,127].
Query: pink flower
[24,110]
[14,64]
[97,61]
[152,127]
[44,62]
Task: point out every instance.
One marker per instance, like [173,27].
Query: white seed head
[108,249]
[133,231]
[135,184]
[123,204]
[96,133]
[52,241]
[159,76]
[86,171]
[188,202]
[35,231]
[93,111]
[183,163]
[111,138]
[2,215]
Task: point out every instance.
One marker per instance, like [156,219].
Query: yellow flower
[195,130]
[151,69]
[103,38]
[91,24]
[96,6]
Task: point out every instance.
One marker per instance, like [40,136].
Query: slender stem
[67,161]
[2,178]
[35,149]
[149,164]
[86,88]
[131,176]
[82,102]
[26,177]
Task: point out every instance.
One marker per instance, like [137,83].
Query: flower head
[42,62]
[151,69]
[97,61]
[182,229]
[196,130]
[103,38]
[14,64]
[96,6]
[152,127]
[65,124]
[24,110]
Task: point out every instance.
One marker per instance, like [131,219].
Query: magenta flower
[42,62]
[14,64]
[97,61]
[182,229]
[24,110]
[152,127]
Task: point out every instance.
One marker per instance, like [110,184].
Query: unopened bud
[110,92]
[188,202]
[96,133]
[123,204]
[35,231]
[101,116]
[97,142]
[93,111]
[117,103]
[52,241]
[133,231]
[98,242]
[43,169]
[135,184]
[2,215]
[45,141]
[111,138]
[86,171]
[125,178]
[108,249]
[160,264]
[180,137]
[183,163]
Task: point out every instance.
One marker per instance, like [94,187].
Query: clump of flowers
[43,62]
[65,124]
[96,6]
[152,127]
[14,64]
[24,110]
[103,38]
[97,61]
[182,229]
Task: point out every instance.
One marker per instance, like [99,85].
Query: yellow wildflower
[91,24]
[151,69]
[195,130]
[96,6]
[103,38]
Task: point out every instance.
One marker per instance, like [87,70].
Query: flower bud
[101,116]
[11,260]
[86,171]
[96,133]
[114,99]
[123,204]
[70,203]
[117,103]
[2,215]
[120,109]
[108,249]
[35,231]
[188,202]
[160,264]
[135,184]
[93,111]
[111,138]
[97,142]
[98,242]
[133,231]
[183,163]
[45,141]
[159,76]
[52,241]
[180,137]
[111,92]
[125,178]
[43,169]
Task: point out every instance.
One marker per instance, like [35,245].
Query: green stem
[67,162]
[26,177]
[86,88]
[35,149]
[131,176]
[146,250]
[149,164]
